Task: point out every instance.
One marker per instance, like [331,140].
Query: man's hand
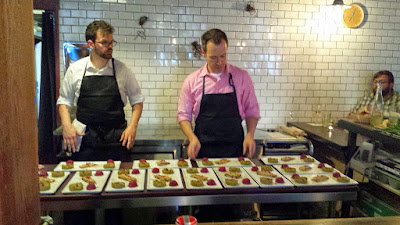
[128,137]
[70,138]
[193,148]
[249,146]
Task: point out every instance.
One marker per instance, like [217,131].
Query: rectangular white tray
[232,163]
[100,182]
[257,177]
[114,177]
[296,159]
[330,182]
[173,163]
[99,166]
[222,177]
[56,184]
[175,176]
[209,174]
[314,169]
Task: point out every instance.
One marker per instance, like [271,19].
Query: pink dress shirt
[192,88]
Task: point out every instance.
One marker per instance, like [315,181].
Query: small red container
[186,220]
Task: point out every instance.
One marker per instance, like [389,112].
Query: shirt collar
[204,71]
[90,65]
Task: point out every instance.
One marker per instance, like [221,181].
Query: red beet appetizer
[132,183]
[99,173]
[91,186]
[222,169]
[204,170]
[246,181]
[211,182]
[173,183]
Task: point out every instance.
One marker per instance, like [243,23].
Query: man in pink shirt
[219,96]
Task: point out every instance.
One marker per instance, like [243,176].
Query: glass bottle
[393,115]
[318,117]
[376,107]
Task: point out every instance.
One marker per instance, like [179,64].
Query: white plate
[210,175]
[257,177]
[222,177]
[232,162]
[296,159]
[330,182]
[56,184]
[314,169]
[100,182]
[173,163]
[114,177]
[175,176]
[99,166]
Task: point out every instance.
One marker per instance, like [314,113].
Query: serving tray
[56,184]
[172,163]
[286,183]
[99,166]
[232,162]
[296,159]
[175,176]
[100,182]
[114,177]
[314,169]
[244,175]
[332,181]
[201,171]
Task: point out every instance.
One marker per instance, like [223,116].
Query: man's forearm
[186,127]
[136,113]
[251,124]
[65,116]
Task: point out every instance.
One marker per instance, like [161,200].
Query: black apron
[100,107]
[219,125]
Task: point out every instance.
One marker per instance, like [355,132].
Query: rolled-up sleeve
[67,90]
[133,90]
[186,103]
[249,99]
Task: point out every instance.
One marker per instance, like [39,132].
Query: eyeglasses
[107,44]
[382,82]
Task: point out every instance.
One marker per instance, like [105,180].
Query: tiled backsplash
[297,54]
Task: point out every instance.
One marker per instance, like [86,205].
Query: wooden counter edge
[390,220]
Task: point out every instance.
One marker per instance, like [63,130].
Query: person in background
[219,96]
[101,86]
[390,97]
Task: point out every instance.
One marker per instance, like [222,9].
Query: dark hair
[96,25]
[385,72]
[213,35]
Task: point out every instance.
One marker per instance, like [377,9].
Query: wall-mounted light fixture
[336,11]
[142,33]
[250,7]
[340,3]
[196,47]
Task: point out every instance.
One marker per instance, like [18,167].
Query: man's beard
[384,92]
[104,55]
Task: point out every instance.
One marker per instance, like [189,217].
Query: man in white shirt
[101,86]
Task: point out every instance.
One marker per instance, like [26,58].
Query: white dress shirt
[71,85]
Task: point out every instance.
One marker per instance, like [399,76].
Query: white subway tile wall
[299,55]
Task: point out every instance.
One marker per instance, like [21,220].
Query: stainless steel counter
[159,134]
